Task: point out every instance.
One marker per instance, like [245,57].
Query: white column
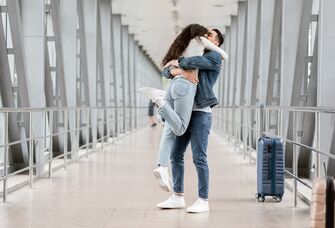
[90,20]
[326,75]
[251,41]
[105,18]
[32,15]
[265,46]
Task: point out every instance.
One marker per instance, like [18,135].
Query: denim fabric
[165,145]
[209,66]
[177,114]
[197,133]
[179,103]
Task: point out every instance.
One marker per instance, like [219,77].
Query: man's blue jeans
[197,133]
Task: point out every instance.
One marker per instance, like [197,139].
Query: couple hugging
[193,62]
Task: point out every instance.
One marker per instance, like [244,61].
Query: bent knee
[180,131]
[200,162]
[176,157]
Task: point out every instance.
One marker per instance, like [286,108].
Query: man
[151,113]
[198,130]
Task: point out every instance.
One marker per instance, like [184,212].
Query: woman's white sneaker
[174,202]
[162,176]
[153,93]
[201,205]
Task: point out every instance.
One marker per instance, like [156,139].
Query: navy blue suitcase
[270,169]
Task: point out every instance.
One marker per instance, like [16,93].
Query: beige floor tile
[116,188]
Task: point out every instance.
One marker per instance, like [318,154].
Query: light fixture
[175,15]
[177,29]
[174,2]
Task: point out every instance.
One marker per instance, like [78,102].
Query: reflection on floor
[115,188]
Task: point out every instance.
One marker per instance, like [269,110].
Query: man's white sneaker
[162,176]
[173,202]
[199,206]
[153,93]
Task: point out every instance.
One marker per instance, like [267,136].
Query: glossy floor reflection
[115,188]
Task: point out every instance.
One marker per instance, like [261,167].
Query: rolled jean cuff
[178,190]
[203,197]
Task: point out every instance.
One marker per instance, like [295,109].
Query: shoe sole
[194,212]
[161,183]
[172,207]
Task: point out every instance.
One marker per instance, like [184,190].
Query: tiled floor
[116,188]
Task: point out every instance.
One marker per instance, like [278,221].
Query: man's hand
[188,74]
[174,63]
[191,75]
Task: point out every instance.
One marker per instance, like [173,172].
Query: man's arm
[188,74]
[170,72]
[209,61]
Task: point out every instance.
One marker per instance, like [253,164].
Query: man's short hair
[219,36]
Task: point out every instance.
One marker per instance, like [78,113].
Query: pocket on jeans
[180,87]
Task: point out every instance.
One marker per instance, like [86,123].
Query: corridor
[80,81]
[116,188]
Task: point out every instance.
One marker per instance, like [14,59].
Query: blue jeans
[197,133]
[177,114]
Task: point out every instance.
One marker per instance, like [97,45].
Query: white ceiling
[154,22]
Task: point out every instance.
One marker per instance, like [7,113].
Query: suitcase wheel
[277,198]
[260,198]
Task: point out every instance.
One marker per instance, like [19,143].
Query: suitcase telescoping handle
[261,117]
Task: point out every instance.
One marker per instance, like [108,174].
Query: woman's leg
[168,136]
[178,114]
[166,143]
[162,172]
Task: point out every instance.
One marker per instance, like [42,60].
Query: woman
[178,102]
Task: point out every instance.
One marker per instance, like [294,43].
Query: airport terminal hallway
[116,188]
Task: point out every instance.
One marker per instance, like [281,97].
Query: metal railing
[91,125]
[244,125]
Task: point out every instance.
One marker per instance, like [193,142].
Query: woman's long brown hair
[182,40]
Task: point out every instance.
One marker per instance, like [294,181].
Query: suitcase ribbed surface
[266,174]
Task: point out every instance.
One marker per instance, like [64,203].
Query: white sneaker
[173,202]
[153,93]
[161,92]
[162,176]
[199,206]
